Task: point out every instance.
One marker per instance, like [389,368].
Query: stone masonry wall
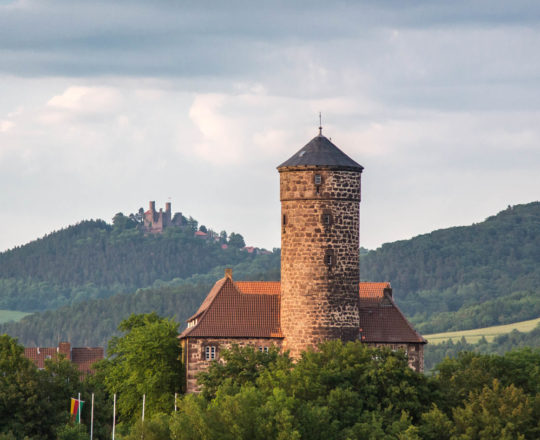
[319,256]
[194,354]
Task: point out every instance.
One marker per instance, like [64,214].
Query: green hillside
[466,277]
[453,279]
[11,315]
[93,322]
[94,259]
[488,333]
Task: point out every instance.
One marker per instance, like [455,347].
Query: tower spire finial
[320,124]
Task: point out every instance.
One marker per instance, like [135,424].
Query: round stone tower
[320,207]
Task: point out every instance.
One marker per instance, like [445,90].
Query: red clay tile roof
[229,312]
[260,287]
[38,355]
[83,357]
[252,308]
[380,317]
[372,290]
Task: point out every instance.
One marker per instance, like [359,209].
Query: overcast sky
[107,105]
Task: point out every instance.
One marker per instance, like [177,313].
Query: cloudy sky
[105,105]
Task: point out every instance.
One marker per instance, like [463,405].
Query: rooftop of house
[239,309]
[83,357]
[321,152]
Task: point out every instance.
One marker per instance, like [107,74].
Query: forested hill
[94,259]
[466,277]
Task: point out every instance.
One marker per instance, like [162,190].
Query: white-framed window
[210,352]
[318,179]
[263,349]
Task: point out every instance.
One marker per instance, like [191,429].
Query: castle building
[155,222]
[319,297]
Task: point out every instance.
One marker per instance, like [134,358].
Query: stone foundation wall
[194,354]
[319,256]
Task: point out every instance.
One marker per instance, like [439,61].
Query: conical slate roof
[321,152]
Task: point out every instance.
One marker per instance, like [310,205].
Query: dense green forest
[456,278]
[339,391]
[466,277]
[94,259]
[92,323]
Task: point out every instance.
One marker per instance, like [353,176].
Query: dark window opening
[284,220]
[329,258]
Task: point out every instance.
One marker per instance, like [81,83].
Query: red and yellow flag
[76,408]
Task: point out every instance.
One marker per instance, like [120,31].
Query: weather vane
[320,124]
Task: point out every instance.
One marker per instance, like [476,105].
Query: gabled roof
[380,318]
[237,310]
[321,152]
[252,309]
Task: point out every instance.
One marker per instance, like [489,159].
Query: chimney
[168,208]
[228,273]
[152,206]
[65,348]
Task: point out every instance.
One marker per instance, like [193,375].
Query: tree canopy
[146,360]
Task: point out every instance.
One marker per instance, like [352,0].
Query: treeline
[93,323]
[95,260]
[436,353]
[466,277]
[339,391]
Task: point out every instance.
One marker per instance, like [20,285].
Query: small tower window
[329,259]
[284,220]
[326,218]
[318,179]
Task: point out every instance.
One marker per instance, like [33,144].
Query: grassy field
[11,315]
[473,336]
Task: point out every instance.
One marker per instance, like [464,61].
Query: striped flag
[76,408]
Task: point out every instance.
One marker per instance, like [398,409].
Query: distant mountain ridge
[466,277]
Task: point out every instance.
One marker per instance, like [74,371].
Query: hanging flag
[76,408]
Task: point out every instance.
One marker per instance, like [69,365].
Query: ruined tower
[320,206]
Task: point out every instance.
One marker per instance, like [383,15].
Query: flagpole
[143,403]
[79,409]
[142,423]
[92,419]
[114,416]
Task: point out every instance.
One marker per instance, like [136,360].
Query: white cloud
[86,99]
[5,126]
